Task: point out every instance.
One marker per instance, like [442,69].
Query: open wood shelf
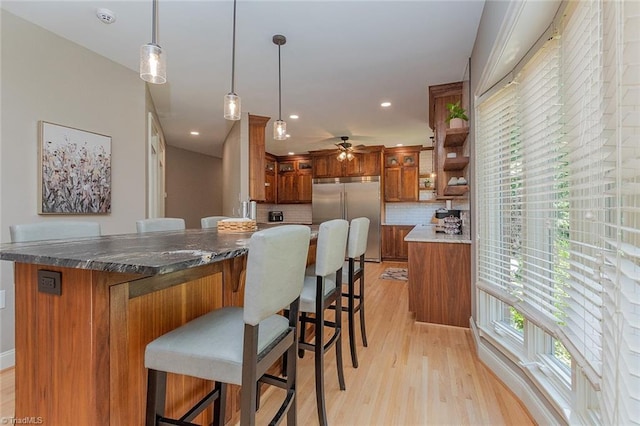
[456,189]
[455,137]
[454,164]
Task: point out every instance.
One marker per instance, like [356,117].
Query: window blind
[558,194]
[620,268]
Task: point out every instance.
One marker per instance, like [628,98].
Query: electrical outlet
[50,282]
[2,300]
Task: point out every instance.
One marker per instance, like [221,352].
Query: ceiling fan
[346,149]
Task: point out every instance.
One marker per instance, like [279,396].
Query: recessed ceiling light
[291,153]
[385,104]
[194,133]
[294,116]
[288,135]
[398,144]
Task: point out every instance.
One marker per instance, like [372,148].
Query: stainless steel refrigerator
[348,198]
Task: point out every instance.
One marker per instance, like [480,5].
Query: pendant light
[231,100]
[153,67]
[279,126]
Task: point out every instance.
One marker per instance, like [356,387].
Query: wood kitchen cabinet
[401,168]
[294,179]
[270,189]
[393,245]
[366,162]
[450,150]
[440,282]
[257,155]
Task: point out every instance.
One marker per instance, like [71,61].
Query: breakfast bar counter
[86,309]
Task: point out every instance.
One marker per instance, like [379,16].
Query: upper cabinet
[294,179]
[257,157]
[450,144]
[401,168]
[365,162]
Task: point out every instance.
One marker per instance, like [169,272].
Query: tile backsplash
[293,213]
[418,213]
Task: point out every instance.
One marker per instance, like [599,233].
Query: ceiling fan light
[232,106]
[350,156]
[342,156]
[280,130]
[153,65]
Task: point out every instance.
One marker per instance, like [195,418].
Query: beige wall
[235,168]
[194,185]
[45,77]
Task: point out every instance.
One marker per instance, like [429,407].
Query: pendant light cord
[154,23]
[279,87]
[233,52]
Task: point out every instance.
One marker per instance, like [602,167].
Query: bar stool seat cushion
[308,295]
[212,344]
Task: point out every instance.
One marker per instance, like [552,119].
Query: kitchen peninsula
[80,352]
[439,276]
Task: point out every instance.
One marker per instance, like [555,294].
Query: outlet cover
[50,282]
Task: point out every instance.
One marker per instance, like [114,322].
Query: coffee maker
[448,221]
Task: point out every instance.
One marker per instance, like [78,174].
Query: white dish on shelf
[453,181]
[462,181]
[451,155]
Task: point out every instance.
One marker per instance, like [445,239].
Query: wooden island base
[81,354]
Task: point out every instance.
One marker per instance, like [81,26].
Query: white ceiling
[341,60]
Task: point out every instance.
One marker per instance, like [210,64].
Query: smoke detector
[106,16]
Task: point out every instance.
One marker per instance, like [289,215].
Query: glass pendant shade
[232,106]
[280,130]
[342,156]
[153,66]
[349,156]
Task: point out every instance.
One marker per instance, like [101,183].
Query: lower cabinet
[393,245]
[440,282]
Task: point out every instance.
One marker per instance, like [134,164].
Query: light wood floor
[411,373]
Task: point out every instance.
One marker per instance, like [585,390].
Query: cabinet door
[401,246]
[270,187]
[388,244]
[321,166]
[354,166]
[370,164]
[303,190]
[336,168]
[392,182]
[304,166]
[409,184]
[287,187]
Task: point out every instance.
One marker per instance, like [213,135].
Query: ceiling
[341,60]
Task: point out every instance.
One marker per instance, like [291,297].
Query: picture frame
[74,171]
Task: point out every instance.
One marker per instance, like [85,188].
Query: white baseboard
[7,359]
[536,404]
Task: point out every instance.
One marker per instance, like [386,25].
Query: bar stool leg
[351,316]
[219,405]
[156,393]
[338,321]
[319,358]
[363,329]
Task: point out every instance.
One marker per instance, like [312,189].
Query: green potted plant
[457,115]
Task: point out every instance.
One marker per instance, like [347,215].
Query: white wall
[45,77]
[235,168]
[194,185]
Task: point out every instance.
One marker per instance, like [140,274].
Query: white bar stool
[352,271]
[53,230]
[211,221]
[237,345]
[160,224]
[319,293]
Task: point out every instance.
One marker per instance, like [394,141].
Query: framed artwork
[74,171]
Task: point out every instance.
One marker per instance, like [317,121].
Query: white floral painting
[75,171]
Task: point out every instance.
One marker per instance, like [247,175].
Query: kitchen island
[439,276]
[80,342]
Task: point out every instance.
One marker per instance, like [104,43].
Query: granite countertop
[147,254]
[428,234]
